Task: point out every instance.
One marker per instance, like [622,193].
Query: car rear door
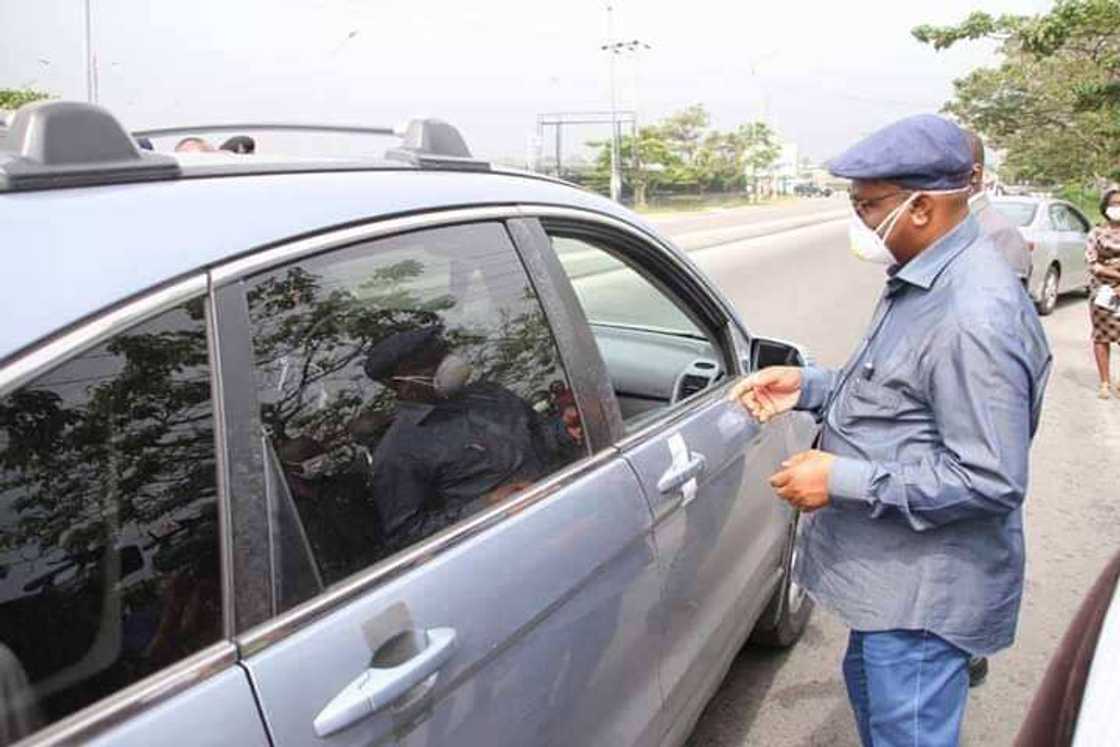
[669,347]
[525,616]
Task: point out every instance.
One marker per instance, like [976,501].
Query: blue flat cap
[920,152]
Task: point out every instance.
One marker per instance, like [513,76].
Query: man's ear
[921,211]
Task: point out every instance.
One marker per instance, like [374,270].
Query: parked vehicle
[1056,232]
[264,471]
[809,189]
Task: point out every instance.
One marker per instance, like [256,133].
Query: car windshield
[1019,213]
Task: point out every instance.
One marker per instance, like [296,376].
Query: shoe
[977,670]
[1103,392]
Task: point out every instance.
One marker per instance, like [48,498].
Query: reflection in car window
[109,562]
[405,385]
[1020,214]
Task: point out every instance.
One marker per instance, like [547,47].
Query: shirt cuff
[849,483]
[815,383]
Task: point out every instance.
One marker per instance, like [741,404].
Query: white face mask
[867,243]
[1113,213]
[450,376]
[870,244]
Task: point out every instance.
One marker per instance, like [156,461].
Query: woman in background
[1103,257]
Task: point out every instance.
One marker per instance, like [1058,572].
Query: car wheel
[1049,291]
[788,611]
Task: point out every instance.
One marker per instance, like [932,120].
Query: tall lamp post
[613,49]
[91,60]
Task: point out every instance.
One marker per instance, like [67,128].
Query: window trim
[583,364]
[136,699]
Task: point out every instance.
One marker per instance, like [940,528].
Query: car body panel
[719,538]
[219,711]
[553,612]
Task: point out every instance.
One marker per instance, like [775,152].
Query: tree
[760,152]
[1054,101]
[14,98]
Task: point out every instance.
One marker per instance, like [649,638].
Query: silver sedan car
[1056,232]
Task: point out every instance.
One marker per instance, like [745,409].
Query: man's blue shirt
[931,421]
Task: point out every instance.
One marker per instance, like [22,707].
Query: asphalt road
[804,285]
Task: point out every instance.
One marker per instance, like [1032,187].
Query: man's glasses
[862,206]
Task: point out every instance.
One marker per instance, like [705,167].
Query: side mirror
[766,352]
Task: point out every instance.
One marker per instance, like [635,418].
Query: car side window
[658,351]
[109,568]
[405,384]
[1076,221]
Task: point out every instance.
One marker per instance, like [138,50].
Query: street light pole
[91,59]
[612,52]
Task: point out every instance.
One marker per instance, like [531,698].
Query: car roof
[75,251]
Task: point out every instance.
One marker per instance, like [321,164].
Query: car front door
[668,349]
[457,554]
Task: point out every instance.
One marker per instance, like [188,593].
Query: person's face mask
[1112,212]
[451,376]
[870,244]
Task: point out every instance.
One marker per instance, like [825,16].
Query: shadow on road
[756,690]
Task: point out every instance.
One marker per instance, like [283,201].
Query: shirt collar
[922,271]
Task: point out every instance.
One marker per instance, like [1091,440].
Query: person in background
[911,506]
[1013,247]
[240,144]
[194,145]
[1102,255]
[993,225]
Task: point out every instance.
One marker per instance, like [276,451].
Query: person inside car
[454,446]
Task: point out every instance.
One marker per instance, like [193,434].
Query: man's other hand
[769,392]
[803,480]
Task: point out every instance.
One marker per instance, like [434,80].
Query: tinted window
[1019,213]
[404,385]
[1075,221]
[109,562]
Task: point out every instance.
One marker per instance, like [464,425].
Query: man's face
[414,382]
[874,201]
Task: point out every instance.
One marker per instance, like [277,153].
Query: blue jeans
[908,688]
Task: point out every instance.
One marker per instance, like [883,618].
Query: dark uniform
[439,462]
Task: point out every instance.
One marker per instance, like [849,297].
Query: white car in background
[1056,233]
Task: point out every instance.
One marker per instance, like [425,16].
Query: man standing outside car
[912,505]
[993,225]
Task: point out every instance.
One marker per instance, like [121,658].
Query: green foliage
[14,98]
[681,154]
[1054,101]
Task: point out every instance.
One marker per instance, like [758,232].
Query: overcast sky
[823,73]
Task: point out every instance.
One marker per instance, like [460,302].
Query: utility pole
[91,60]
[612,52]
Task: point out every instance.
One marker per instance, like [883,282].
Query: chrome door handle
[678,475]
[377,687]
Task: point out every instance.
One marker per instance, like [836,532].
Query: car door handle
[678,475]
[377,687]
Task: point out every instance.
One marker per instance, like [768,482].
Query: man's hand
[803,481]
[769,392]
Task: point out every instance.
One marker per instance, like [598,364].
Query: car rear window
[1019,213]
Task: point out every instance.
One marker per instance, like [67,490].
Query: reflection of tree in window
[108,521]
[314,325]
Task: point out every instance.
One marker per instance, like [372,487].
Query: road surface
[804,285]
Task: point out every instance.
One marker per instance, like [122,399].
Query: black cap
[388,354]
[240,144]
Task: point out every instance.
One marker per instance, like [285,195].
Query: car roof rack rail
[56,144]
[426,143]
